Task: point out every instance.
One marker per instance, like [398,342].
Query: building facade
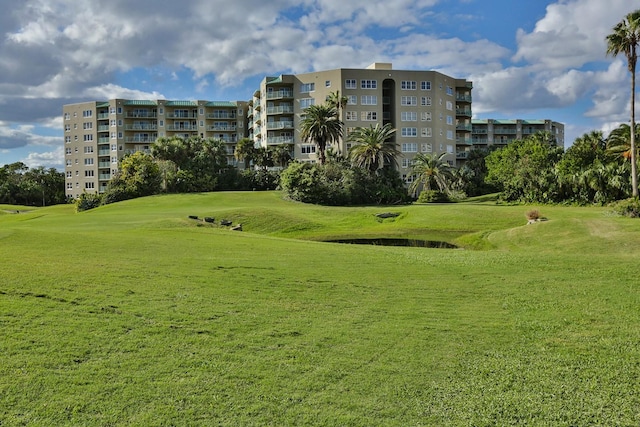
[98,134]
[430,111]
[501,132]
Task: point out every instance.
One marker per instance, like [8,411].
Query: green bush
[433,196]
[88,201]
[628,207]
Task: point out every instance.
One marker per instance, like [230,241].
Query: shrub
[628,207]
[432,196]
[88,201]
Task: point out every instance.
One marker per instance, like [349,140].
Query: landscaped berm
[133,314]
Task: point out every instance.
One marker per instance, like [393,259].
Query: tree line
[21,185]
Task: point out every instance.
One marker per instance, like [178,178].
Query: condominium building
[98,134]
[430,111]
[501,132]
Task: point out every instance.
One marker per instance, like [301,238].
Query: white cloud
[48,159]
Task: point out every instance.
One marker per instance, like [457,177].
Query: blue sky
[533,59]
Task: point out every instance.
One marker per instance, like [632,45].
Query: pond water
[397,242]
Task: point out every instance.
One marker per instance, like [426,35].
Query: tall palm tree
[431,170]
[373,147]
[625,39]
[321,127]
[338,102]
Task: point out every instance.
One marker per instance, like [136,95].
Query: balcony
[140,126]
[464,141]
[283,109]
[141,114]
[229,128]
[464,126]
[181,127]
[222,115]
[102,116]
[177,115]
[103,128]
[281,94]
[480,141]
[104,164]
[477,131]
[280,125]
[462,154]
[140,139]
[463,112]
[104,176]
[463,97]
[504,131]
[103,140]
[278,140]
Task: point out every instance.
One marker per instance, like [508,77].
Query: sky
[527,59]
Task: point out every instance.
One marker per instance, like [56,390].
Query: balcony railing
[463,112]
[277,140]
[222,115]
[147,126]
[230,128]
[480,141]
[102,116]
[283,109]
[140,139]
[141,115]
[280,94]
[464,141]
[104,176]
[464,126]
[104,152]
[192,115]
[462,97]
[104,164]
[103,128]
[279,125]
[504,131]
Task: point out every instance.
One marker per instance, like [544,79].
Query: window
[425,116]
[307,102]
[69,174]
[87,125]
[112,110]
[408,116]
[88,150]
[161,123]
[87,113]
[425,85]
[119,135]
[119,110]
[69,186]
[307,87]
[67,128]
[410,132]
[89,173]
[368,84]
[67,139]
[409,100]
[88,138]
[351,115]
[449,120]
[67,116]
[425,132]
[88,161]
[449,90]
[113,135]
[89,185]
[425,101]
[201,111]
[449,134]
[408,85]
[449,105]
[120,122]
[352,100]
[114,159]
[409,147]
[426,148]
[327,83]
[308,149]
[114,147]
[406,163]
[369,116]
[369,100]
[67,151]
[350,84]
[449,148]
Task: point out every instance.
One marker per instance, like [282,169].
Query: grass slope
[132,314]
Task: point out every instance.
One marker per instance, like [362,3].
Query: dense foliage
[20,185]
[339,183]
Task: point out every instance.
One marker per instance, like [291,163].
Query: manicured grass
[133,314]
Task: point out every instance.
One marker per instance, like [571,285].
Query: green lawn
[133,314]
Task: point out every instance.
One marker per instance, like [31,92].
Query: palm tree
[619,141]
[281,154]
[373,147]
[431,170]
[245,150]
[321,126]
[625,39]
[338,102]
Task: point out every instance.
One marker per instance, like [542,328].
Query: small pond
[397,242]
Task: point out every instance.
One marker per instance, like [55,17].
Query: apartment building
[431,111]
[98,134]
[501,132]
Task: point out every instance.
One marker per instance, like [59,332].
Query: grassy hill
[134,314]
